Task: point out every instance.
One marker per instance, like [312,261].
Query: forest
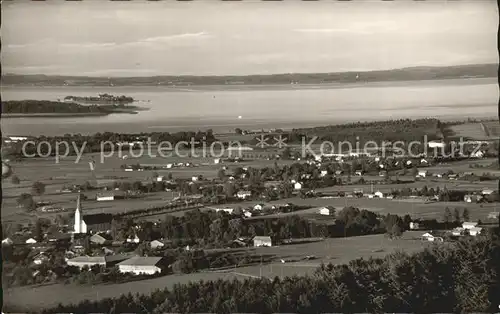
[45,106]
[380,131]
[460,277]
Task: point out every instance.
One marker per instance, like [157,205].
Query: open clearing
[335,251]
[478,131]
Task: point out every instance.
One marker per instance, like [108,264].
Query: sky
[104,38]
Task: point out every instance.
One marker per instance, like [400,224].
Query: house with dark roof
[92,223]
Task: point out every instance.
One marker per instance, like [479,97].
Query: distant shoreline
[62,115]
[418,73]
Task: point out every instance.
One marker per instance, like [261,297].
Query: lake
[218,107]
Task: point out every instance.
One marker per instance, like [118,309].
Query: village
[319,189]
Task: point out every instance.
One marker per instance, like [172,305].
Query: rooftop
[141,261]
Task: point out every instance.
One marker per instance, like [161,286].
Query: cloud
[173,37]
[87,45]
[331,30]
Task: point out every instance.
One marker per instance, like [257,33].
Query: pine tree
[465,214]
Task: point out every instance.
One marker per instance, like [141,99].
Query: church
[92,223]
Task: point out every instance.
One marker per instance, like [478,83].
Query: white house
[324,173]
[297,186]
[31,241]
[169,166]
[457,231]
[247,214]
[217,161]
[102,197]
[436,144]
[243,194]
[89,261]
[422,173]
[431,238]
[370,195]
[258,207]
[475,231]
[195,178]
[141,265]
[227,210]
[379,194]
[414,226]
[327,210]
[487,192]
[262,241]
[134,239]
[7,241]
[358,173]
[478,154]
[159,178]
[469,225]
[156,244]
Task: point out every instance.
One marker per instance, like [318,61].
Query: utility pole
[260,268]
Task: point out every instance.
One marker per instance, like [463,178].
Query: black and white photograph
[250,156]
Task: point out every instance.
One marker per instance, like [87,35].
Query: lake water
[218,108]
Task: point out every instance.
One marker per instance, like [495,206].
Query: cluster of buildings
[467,229]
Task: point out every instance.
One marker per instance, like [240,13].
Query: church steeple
[78,204]
[78,216]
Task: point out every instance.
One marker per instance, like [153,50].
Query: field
[335,251]
[478,131]
[417,209]
[68,171]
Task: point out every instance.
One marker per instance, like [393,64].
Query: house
[156,244]
[487,192]
[159,178]
[389,197]
[358,173]
[422,173]
[379,194]
[227,210]
[30,241]
[102,197]
[475,231]
[142,265]
[39,259]
[414,226]
[195,178]
[134,239]
[247,214]
[370,195]
[431,238]
[469,225]
[382,173]
[217,161]
[7,241]
[452,176]
[424,162]
[89,261]
[243,194]
[323,173]
[457,231]
[436,144]
[259,207]
[90,223]
[478,154]
[339,172]
[297,186]
[262,241]
[327,210]
[101,238]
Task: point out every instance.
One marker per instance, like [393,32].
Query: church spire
[78,203]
